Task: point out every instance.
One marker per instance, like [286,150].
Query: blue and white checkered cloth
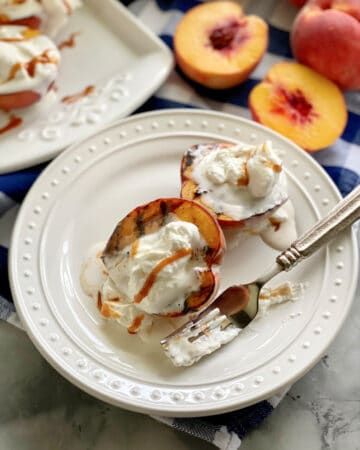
[341,161]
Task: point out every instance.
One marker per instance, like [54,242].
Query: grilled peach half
[149,218]
[191,190]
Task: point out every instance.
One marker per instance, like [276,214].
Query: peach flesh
[301,104]
[294,105]
[217,46]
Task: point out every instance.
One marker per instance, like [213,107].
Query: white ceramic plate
[113,52]
[78,200]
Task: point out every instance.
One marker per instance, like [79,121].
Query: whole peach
[326,37]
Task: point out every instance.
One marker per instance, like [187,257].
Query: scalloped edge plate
[174,399]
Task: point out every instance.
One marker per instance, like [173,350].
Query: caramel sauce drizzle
[275,167]
[105,309]
[76,97]
[30,66]
[134,248]
[283,290]
[26,35]
[133,328]
[154,273]
[244,181]
[14,122]
[275,223]
[70,42]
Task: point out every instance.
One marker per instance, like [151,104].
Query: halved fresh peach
[149,218]
[191,190]
[301,104]
[217,45]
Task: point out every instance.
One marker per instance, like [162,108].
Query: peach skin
[218,46]
[301,104]
[326,37]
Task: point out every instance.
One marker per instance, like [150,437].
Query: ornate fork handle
[341,216]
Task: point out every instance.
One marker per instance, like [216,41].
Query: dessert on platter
[162,260]
[29,64]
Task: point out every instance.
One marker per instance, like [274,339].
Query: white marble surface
[42,411]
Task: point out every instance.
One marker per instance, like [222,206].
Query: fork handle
[341,216]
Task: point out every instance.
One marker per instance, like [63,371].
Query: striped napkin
[341,161]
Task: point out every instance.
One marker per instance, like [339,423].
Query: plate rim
[187,411]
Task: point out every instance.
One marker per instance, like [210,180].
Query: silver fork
[238,305]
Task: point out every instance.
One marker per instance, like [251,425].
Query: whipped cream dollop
[57,14]
[28,60]
[153,276]
[53,14]
[14,10]
[242,180]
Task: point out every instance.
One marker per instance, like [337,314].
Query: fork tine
[199,338]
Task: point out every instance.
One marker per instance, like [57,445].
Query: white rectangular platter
[114,54]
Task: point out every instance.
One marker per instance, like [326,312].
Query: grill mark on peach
[164,211]
[140,224]
[154,273]
[189,158]
[99,300]
[133,328]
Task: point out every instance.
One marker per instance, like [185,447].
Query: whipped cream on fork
[205,336]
